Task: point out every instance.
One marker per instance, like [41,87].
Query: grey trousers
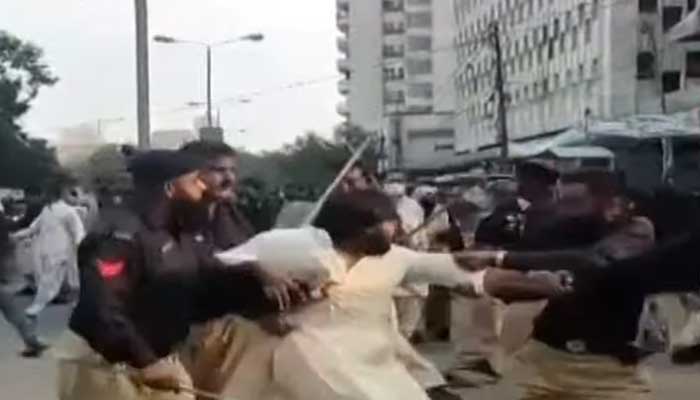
[9,308]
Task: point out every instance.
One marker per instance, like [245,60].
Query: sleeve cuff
[477,280]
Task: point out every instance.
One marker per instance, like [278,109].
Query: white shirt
[308,253]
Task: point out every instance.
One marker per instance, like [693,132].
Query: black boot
[441,393]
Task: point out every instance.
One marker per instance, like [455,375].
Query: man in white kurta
[344,345]
[59,230]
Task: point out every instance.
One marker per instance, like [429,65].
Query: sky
[89,44]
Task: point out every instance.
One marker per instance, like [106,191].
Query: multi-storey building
[398,64]
[569,60]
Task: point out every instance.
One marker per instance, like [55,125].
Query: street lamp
[251,37]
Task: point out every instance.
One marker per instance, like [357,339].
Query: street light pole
[209,117]
[142,76]
[251,37]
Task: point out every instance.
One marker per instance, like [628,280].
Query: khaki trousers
[486,329]
[409,312]
[558,375]
[84,375]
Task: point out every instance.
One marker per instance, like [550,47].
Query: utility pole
[209,117]
[502,117]
[142,76]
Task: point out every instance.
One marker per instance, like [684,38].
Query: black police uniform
[144,281]
[142,286]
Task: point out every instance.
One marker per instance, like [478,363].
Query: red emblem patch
[110,269]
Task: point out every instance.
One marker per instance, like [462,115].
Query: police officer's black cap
[541,170]
[157,167]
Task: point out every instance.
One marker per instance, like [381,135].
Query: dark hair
[208,149]
[345,216]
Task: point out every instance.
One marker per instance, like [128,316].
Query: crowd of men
[179,298]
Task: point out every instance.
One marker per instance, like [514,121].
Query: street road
[35,379]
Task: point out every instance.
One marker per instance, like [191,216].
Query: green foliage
[310,161]
[106,168]
[23,161]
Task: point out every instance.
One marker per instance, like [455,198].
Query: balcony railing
[392,52]
[392,5]
[344,86]
[343,5]
[394,28]
[342,45]
[343,65]
[343,21]
[342,109]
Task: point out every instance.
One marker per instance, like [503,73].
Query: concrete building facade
[398,65]
[566,61]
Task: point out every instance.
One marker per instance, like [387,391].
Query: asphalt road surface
[35,379]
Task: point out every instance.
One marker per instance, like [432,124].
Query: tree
[105,168]
[353,136]
[23,161]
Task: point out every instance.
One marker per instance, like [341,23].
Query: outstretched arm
[671,268]
[447,270]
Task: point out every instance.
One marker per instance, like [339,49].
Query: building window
[419,67]
[392,5]
[419,20]
[394,97]
[550,49]
[692,65]
[392,51]
[394,74]
[574,38]
[396,27]
[587,31]
[645,65]
[691,5]
[419,43]
[672,16]
[648,6]
[557,82]
[545,86]
[581,12]
[421,90]
[418,2]
[562,45]
[594,9]
[671,81]
[556,29]
[595,67]
[444,147]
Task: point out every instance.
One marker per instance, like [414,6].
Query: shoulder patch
[110,269]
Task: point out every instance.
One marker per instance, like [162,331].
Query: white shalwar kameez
[59,230]
[344,345]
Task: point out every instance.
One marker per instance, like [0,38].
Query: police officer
[143,283]
[514,223]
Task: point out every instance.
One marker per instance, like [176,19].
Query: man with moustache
[219,225]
